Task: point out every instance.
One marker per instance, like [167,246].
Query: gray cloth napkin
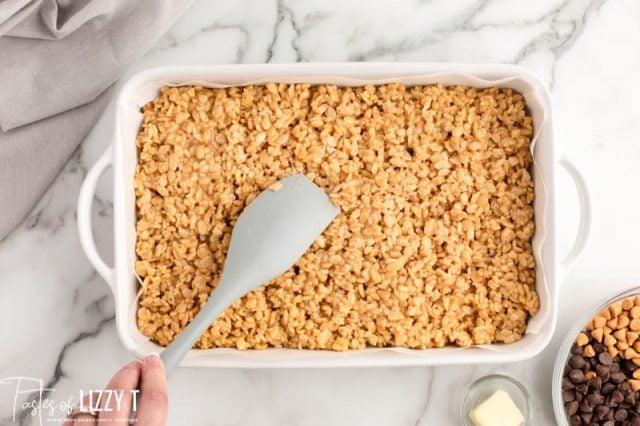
[57,60]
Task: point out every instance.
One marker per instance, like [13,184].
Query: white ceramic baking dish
[122,156]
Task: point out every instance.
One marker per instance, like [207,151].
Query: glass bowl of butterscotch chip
[596,378]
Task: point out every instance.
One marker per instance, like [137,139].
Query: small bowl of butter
[496,400]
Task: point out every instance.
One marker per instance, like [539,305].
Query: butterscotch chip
[615,309]
[609,340]
[607,330]
[589,351]
[635,384]
[613,323]
[623,321]
[631,337]
[597,334]
[636,361]
[606,314]
[621,345]
[621,335]
[599,322]
[630,353]
[636,300]
[635,312]
[582,339]
[634,324]
[627,304]
[590,375]
[613,351]
[432,245]
[636,346]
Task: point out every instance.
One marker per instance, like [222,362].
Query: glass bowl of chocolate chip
[596,378]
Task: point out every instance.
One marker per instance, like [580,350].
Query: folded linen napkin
[57,60]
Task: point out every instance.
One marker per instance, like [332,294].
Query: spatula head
[273,232]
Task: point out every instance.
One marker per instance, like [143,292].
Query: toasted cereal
[432,243]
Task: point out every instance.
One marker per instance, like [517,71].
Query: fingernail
[152,357]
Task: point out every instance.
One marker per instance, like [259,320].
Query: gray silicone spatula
[271,234]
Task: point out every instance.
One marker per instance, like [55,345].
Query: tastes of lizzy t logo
[48,410]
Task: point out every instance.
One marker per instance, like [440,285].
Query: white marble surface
[56,314]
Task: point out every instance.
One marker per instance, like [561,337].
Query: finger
[82,419]
[115,406]
[154,400]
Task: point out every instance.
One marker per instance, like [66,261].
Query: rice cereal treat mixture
[432,243]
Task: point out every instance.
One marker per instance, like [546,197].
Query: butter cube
[497,410]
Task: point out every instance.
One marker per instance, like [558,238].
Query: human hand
[152,403]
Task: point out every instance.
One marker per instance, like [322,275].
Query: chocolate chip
[595,383]
[625,405]
[576,376]
[631,399]
[625,388]
[616,397]
[576,361]
[572,407]
[609,423]
[568,395]
[576,350]
[603,372]
[595,399]
[586,418]
[575,420]
[582,388]
[600,348]
[602,411]
[605,358]
[567,384]
[617,377]
[629,366]
[586,407]
[615,366]
[607,388]
[621,415]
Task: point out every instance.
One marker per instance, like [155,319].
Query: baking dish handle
[85,201]
[584,227]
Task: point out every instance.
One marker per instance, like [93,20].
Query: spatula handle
[177,350]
